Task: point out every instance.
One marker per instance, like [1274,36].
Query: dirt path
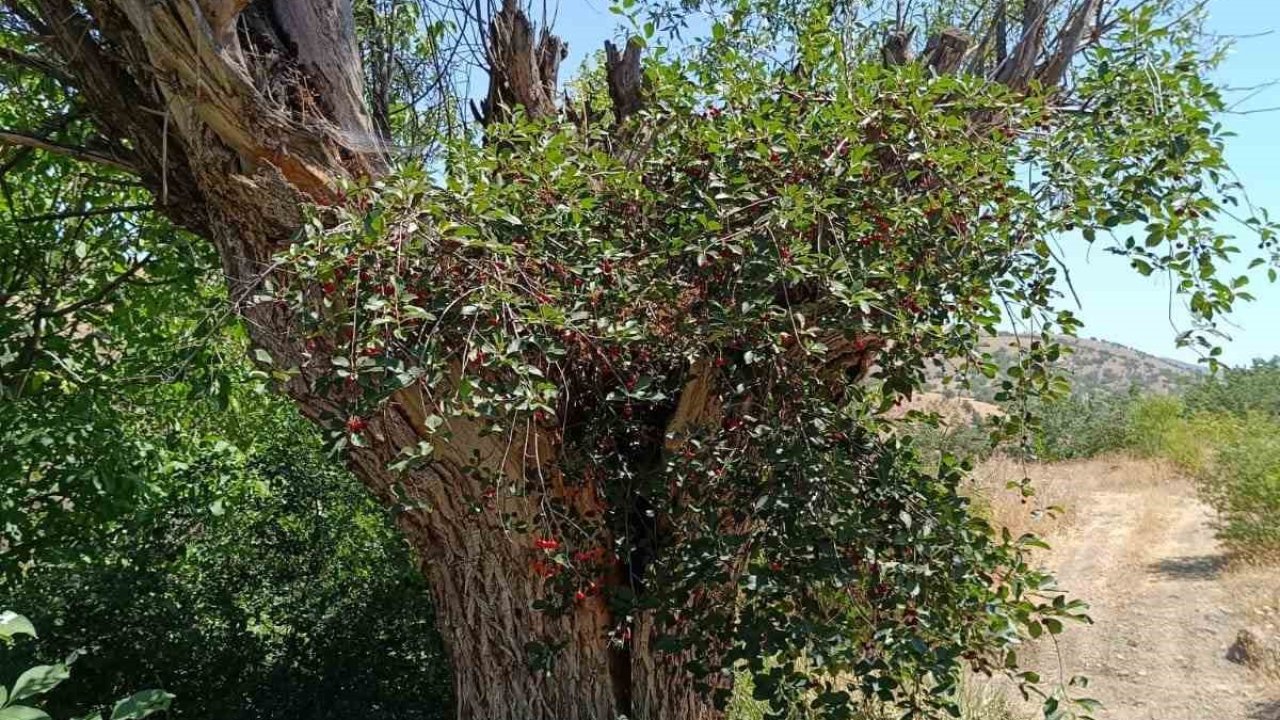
[1144,557]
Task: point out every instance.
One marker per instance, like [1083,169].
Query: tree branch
[946,50]
[17,139]
[625,78]
[94,212]
[13,57]
[522,73]
[102,292]
[1069,38]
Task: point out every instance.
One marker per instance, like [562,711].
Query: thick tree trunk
[509,659]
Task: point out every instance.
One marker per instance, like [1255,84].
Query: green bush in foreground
[24,700]
[254,583]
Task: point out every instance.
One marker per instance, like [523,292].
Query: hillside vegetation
[1094,367]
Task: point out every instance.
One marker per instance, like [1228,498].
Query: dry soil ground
[1166,602]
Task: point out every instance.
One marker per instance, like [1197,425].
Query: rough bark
[946,51]
[625,79]
[509,660]
[522,73]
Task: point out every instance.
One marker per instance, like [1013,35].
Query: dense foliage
[161,516]
[1226,435]
[1241,391]
[251,583]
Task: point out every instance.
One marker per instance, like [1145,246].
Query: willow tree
[621,363]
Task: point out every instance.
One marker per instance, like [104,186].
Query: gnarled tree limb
[522,73]
[622,70]
[32,62]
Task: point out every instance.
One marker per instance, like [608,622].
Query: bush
[1243,485]
[29,696]
[1083,426]
[1240,391]
[961,439]
[1225,434]
[253,583]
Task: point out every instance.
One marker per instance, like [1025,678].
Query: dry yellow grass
[1059,488]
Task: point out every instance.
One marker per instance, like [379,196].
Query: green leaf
[38,680]
[13,624]
[22,712]
[141,704]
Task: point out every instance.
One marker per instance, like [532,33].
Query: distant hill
[1095,366]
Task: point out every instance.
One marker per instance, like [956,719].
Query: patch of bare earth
[1138,546]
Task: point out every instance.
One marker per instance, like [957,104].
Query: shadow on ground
[1191,567]
[1268,710]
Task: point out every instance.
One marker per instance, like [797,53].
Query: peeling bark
[946,51]
[522,73]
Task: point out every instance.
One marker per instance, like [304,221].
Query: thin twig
[86,213]
[102,293]
[17,139]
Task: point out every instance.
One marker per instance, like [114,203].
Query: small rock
[1256,649]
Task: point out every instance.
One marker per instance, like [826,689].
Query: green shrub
[29,695]
[1153,425]
[1240,391]
[967,439]
[1083,426]
[1243,485]
[1226,435]
[255,584]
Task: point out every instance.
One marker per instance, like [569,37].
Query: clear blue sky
[1117,303]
